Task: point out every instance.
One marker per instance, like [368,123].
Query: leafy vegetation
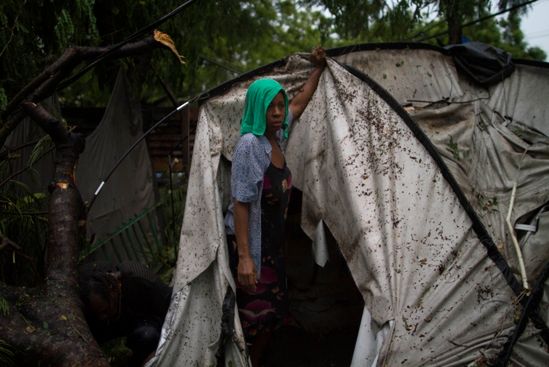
[218,39]
[223,38]
[4,307]
[429,21]
[23,229]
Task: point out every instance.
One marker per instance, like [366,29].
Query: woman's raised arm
[302,98]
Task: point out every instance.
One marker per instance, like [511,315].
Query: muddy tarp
[416,203]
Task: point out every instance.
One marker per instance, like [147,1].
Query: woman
[260,187]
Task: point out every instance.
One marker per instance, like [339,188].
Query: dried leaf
[167,41]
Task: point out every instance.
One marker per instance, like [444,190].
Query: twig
[515,241]
[458,344]
[9,150]
[7,242]
[13,28]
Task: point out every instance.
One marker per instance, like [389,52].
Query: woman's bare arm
[246,268]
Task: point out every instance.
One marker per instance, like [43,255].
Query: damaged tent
[417,200]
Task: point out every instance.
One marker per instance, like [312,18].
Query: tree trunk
[47,323]
[453,14]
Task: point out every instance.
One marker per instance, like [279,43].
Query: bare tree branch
[48,322]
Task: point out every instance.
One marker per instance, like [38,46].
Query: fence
[139,239]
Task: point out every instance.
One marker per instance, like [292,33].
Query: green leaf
[4,307]
[43,145]
[3,99]
[453,148]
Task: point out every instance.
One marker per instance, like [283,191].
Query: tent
[120,127]
[411,166]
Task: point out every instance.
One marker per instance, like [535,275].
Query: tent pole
[132,147]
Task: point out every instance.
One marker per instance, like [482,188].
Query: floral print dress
[265,308]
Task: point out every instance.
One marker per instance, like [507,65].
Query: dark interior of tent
[325,304]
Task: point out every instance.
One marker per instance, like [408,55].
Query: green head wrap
[258,98]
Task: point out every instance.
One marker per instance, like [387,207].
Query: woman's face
[275,114]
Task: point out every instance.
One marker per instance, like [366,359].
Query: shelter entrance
[324,303]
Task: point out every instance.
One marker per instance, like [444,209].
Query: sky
[535,26]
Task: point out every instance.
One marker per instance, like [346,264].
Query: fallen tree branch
[47,323]
[36,328]
[52,77]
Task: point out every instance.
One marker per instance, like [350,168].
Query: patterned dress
[265,308]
